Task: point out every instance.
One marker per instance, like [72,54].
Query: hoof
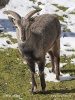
[34,90]
[53,70]
[57,77]
[59,73]
[43,91]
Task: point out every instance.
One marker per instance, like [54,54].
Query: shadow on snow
[66,34]
[6,25]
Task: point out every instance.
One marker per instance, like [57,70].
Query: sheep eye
[16,26]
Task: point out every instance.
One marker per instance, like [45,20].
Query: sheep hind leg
[55,63]
[52,60]
[57,60]
[56,52]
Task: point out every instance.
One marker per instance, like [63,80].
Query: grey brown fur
[37,36]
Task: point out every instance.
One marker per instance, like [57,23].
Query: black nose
[23,38]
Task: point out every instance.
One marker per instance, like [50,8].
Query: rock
[3,3]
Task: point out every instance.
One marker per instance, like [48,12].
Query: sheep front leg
[34,85]
[31,65]
[41,74]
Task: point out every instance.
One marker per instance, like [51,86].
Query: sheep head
[20,22]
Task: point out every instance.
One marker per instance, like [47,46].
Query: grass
[60,17]
[70,50]
[72,13]
[13,40]
[33,1]
[60,7]
[37,8]
[66,30]
[15,80]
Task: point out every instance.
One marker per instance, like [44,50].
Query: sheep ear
[11,19]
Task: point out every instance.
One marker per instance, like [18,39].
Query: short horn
[14,14]
[31,13]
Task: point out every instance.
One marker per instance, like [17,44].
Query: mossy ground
[15,80]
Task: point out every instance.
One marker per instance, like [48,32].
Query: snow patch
[62,64]
[73,61]
[51,77]
[67,38]
[5,45]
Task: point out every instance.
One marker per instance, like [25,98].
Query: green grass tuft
[13,40]
[33,1]
[66,30]
[60,18]
[37,8]
[72,13]
[60,7]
